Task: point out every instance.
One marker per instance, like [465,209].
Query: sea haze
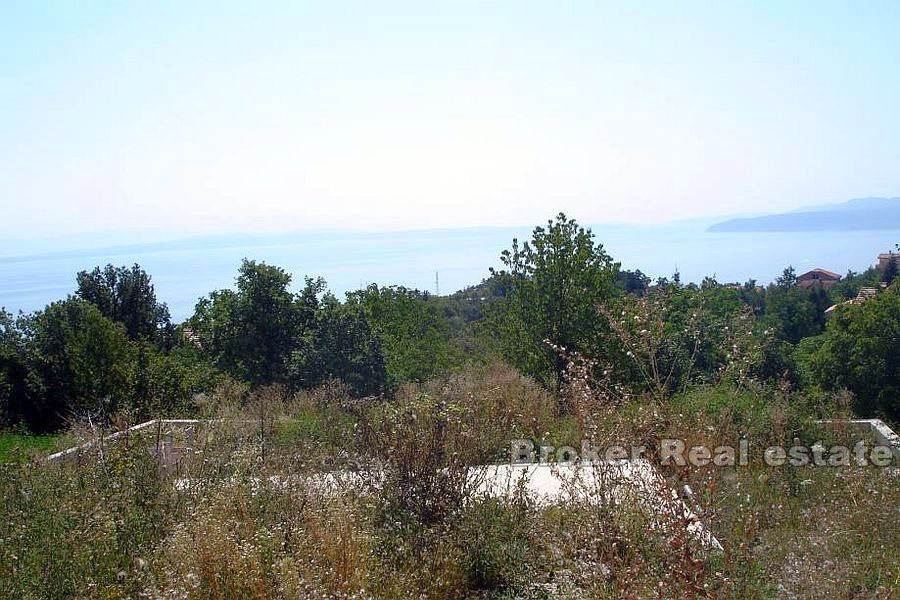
[185,270]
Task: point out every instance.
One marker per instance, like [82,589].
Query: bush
[496,537]
[72,528]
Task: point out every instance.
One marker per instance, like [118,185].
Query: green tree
[795,313]
[861,352]
[14,374]
[84,362]
[804,360]
[554,284]
[788,278]
[848,287]
[753,296]
[890,270]
[674,336]
[165,382]
[412,331]
[252,331]
[341,345]
[633,282]
[126,295]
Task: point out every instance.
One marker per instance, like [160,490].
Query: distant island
[861,214]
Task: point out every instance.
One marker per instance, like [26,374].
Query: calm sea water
[187,270]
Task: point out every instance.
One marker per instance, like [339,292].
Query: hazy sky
[236,116]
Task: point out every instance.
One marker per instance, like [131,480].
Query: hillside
[862,214]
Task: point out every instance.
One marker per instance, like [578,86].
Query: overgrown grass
[249,515]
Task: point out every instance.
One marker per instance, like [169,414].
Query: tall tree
[14,373]
[788,278]
[793,312]
[860,351]
[83,359]
[126,295]
[343,346]
[165,383]
[253,330]
[413,332]
[890,272]
[633,282]
[555,281]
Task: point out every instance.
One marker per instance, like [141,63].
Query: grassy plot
[14,446]
[249,517]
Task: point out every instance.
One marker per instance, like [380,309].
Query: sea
[440,261]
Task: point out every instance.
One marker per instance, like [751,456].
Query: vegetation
[553,285]
[82,360]
[414,335]
[252,332]
[126,296]
[860,351]
[248,518]
[340,438]
[14,445]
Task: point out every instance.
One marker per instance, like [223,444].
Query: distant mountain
[861,214]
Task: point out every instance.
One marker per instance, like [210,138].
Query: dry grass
[254,522]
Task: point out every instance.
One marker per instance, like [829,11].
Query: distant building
[864,294]
[885,257]
[191,336]
[817,277]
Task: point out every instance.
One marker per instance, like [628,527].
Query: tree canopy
[412,331]
[860,351]
[253,330]
[125,295]
[83,361]
[554,284]
[112,348]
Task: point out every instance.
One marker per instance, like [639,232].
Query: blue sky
[188,117]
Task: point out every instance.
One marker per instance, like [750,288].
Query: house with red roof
[817,277]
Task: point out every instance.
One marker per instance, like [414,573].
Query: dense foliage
[111,349]
[126,296]
[77,360]
[860,351]
[554,284]
[341,441]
